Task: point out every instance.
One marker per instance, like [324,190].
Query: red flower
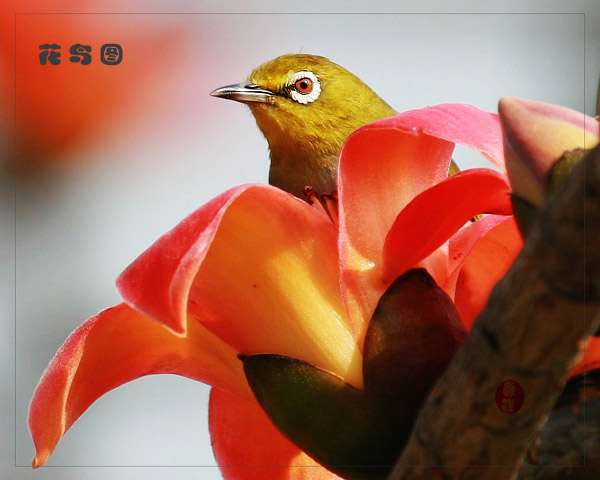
[258,271]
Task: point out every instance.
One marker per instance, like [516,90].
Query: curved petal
[383,166]
[157,282]
[457,123]
[259,268]
[248,447]
[115,347]
[381,170]
[436,214]
[485,265]
[460,246]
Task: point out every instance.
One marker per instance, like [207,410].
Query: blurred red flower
[58,107]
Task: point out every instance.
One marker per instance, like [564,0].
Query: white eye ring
[304,98]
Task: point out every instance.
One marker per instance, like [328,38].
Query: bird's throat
[299,156]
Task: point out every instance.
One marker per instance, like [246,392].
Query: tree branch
[570,440]
[531,331]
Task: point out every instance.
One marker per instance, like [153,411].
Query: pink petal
[536,135]
[457,123]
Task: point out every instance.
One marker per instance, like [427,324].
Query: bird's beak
[245,93]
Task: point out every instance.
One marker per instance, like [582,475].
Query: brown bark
[569,443]
[531,331]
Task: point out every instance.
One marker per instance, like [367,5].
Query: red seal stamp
[509,397]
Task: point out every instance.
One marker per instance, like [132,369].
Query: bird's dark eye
[304,85]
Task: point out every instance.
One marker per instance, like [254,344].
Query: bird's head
[306,106]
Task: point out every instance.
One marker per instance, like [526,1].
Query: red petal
[458,123]
[436,214]
[381,170]
[461,244]
[383,166]
[248,447]
[487,263]
[259,268]
[115,347]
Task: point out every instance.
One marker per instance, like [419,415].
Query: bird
[306,107]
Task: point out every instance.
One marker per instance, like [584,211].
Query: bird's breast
[296,172]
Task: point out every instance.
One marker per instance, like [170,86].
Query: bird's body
[306,106]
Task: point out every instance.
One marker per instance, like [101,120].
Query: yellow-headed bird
[306,106]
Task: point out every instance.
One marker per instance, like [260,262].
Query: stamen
[328,204]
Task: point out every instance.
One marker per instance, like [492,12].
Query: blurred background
[98,161]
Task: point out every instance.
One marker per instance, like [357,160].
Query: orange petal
[115,347]
[259,268]
[248,447]
[486,264]
[157,282]
[436,214]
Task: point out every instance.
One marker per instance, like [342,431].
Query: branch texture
[531,331]
[568,447]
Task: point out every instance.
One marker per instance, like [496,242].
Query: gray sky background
[79,228]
